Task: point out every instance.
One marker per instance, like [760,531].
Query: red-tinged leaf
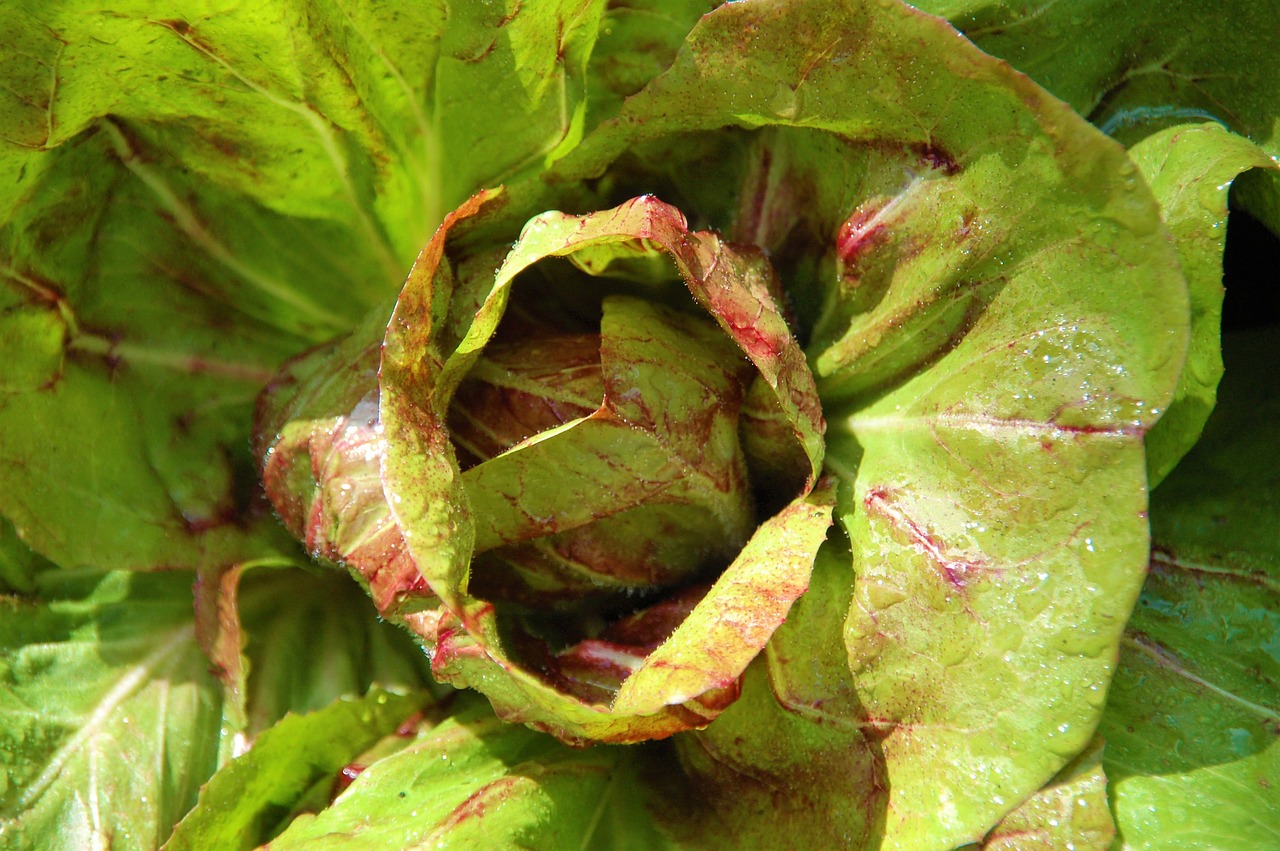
[739,614]
[521,388]
[665,432]
[321,447]
[220,636]
[651,487]
[421,478]
[734,285]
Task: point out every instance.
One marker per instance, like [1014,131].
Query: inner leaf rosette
[556,501]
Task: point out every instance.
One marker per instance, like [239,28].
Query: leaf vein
[129,683]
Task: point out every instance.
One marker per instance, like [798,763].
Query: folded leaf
[739,613]
[1190,168]
[790,759]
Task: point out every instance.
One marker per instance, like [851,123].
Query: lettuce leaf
[113,717]
[473,781]
[1138,68]
[1070,810]
[1190,168]
[1135,68]
[1192,717]
[247,801]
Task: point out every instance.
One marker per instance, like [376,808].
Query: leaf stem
[1167,661]
[177,361]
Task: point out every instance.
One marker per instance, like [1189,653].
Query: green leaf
[1190,169]
[168,395]
[191,204]
[1192,719]
[1070,812]
[19,566]
[1137,68]
[751,598]
[304,640]
[999,536]
[112,716]
[311,110]
[511,88]
[637,41]
[189,199]
[245,803]
[789,758]
[110,719]
[472,781]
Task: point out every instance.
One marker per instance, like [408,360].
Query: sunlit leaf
[247,801]
[110,717]
[1190,169]
[471,781]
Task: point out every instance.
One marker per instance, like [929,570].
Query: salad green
[633,425]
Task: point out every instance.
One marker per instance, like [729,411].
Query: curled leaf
[572,500]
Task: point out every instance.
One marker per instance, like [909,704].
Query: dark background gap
[1251,274]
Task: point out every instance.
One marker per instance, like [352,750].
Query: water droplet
[881,595]
[785,102]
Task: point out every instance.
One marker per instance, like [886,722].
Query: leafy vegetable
[108,699]
[1136,68]
[655,439]
[1139,67]
[1071,810]
[772,418]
